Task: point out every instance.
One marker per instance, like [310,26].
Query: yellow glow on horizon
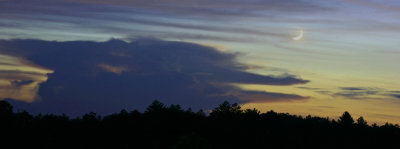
[328,73]
[376,108]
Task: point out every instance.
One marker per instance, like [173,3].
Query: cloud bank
[107,76]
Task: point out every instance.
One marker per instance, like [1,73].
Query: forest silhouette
[162,126]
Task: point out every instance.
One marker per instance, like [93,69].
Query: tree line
[162,126]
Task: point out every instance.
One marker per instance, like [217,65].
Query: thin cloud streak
[358,93]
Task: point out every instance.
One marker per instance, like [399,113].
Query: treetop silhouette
[161,126]
[346,119]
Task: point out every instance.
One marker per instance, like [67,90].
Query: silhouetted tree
[390,125]
[346,119]
[91,117]
[6,113]
[251,113]
[123,112]
[201,113]
[189,110]
[155,106]
[175,108]
[23,118]
[173,127]
[361,122]
[226,110]
[271,114]
[5,108]
[191,141]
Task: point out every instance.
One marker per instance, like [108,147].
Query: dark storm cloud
[107,76]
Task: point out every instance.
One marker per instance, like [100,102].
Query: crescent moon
[300,36]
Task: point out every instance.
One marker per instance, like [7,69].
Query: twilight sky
[76,56]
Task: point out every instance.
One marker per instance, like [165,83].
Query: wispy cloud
[390,5]
[308,88]
[113,69]
[217,7]
[357,93]
[121,16]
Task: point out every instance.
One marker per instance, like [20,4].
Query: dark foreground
[227,126]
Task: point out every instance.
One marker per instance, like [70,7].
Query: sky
[77,56]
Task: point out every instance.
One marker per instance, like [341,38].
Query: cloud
[359,93]
[308,88]
[397,96]
[142,70]
[113,69]
[260,97]
[10,75]
[7,64]
[19,79]
[215,7]
[363,92]
[19,83]
[390,5]
[122,18]
[353,88]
